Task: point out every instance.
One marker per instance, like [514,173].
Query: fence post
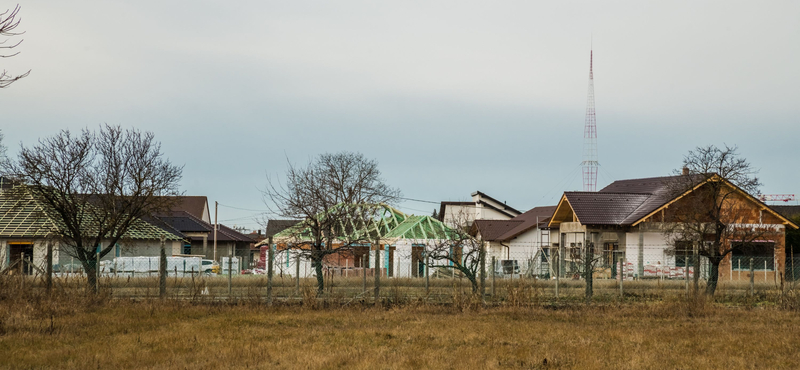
[377,272]
[270,261]
[297,274]
[621,278]
[494,261]
[364,259]
[230,272]
[696,253]
[427,274]
[752,277]
[97,272]
[587,269]
[483,271]
[686,278]
[162,270]
[49,267]
[558,272]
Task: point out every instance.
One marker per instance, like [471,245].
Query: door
[22,257]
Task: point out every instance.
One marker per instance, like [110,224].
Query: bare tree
[337,197]
[462,252]
[712,215]
[95,186]
[9,21]
[2,149]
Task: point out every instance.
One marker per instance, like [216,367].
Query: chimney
[685,171]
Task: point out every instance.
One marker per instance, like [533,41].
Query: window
[187,249]
[684,254]
[510,267]
[761,253]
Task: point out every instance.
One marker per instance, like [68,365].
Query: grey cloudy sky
[449,96]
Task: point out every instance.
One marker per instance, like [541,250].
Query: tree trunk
[473,281]
[316,258]
[91,276]
[713,275]
[89,264]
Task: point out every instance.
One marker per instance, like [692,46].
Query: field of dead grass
[91,332]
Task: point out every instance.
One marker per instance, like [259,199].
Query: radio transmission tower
[590,162]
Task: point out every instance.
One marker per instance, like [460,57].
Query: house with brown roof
[519,245]
[190,218]
[628,218]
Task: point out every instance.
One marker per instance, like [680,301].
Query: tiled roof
[276,226]
[493,229]
[195,205]
[649,185]
[21,215]
[787,211]
[604,208]
[529,221]
[226,234]
[185,222]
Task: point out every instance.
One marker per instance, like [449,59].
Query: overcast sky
[448,96]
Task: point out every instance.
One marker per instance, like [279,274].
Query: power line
[420,200]
[244,209]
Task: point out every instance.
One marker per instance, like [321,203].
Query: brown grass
[79,331]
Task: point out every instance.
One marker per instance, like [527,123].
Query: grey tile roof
[276,226]
[787,211]
[529,220]
[185,222]
[604,208]
[493,229]
[624,202]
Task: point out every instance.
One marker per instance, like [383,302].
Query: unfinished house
[628,219]
[400,238]
[27,225]
[482,207]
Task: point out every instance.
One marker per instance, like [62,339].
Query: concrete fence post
[494,261]
[297,274]
[752,277]
[270,263]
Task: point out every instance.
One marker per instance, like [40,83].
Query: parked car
[210,267]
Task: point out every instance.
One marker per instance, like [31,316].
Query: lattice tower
[590,163]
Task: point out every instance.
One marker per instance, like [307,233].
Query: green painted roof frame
[391,224]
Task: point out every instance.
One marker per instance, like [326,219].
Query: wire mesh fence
[512,276]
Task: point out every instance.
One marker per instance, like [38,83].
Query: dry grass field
[78,332]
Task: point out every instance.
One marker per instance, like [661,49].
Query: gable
[563,213]
[744,208]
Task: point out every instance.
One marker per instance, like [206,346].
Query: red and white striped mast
[590,163]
